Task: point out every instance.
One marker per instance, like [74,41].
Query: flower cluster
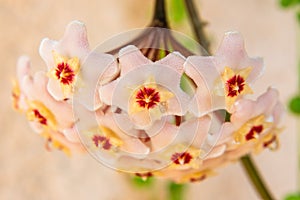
[178,117]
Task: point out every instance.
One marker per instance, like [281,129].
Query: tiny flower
[65,59]
[39,113]
[65,72]
[229,73]
[255,123]
[142,92]
[105,135]
[46,116]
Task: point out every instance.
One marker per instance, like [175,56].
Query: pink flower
[142,91]
[228,74]
[65,60]
[47,116]
[258,120]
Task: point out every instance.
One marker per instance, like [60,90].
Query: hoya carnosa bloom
[149,110]
[228,74]
[64,59]
[47,116]
[258,121]
[142,91]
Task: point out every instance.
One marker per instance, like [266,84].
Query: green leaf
[298,16]
[293,197]
[187,85]
[294,105]
[289,3]
[176,191]
[177,13]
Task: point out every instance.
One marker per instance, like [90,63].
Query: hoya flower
[257,121]
[142,92]
[228,74]
[47,116]
[64,60]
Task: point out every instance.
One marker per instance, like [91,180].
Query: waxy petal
[203,72]
[232,50]
[97,69]
[73,44]
[35,89]
[174,60]
[72,147]
[245,109]
[71,134]
[23,68]
[131,57]
[232,53]
[125,89]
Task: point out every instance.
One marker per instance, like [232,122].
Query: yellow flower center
[105,138]
[38,112]
[150,96]
[235,84]
[147,97]
[252,129]
[65,71]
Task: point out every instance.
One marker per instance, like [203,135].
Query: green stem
[176,191]
[160,15]
[197,25]
[255,177]
[248,164]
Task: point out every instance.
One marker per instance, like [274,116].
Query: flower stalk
[255,177]
[160,16]
[197,25]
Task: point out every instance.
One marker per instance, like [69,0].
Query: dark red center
[102,141]
[147,97]
[254,131]
[201,178]
[269,142]
[235,85]
[181,158]
[144,175]
[64,73]
[41,119]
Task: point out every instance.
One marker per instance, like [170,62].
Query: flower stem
[197,25]
[176,191]
[248,164]
[160,15]
[255,177]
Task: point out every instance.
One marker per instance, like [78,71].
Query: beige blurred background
[28,171]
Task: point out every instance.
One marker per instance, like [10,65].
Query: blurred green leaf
[177,13]
[142,183]
[293,197]
[187,85]
[289,3]
[298,16]
[294,105]
[176,191]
